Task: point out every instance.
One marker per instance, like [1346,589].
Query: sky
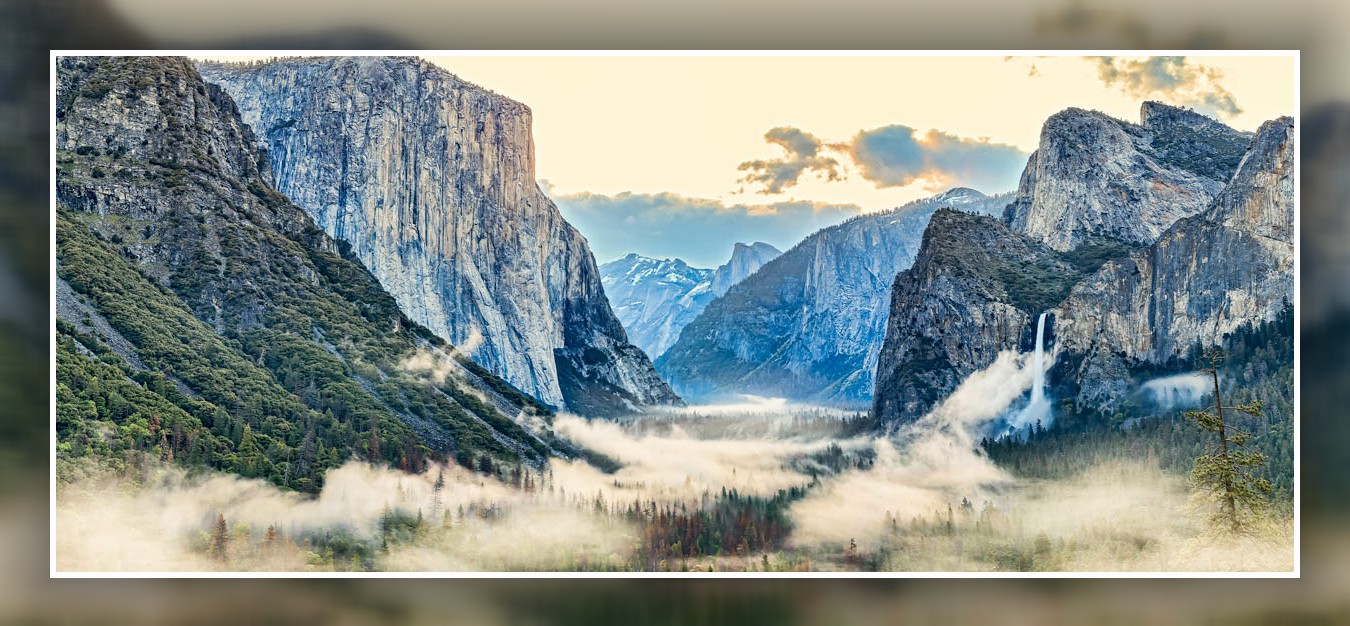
[686,155]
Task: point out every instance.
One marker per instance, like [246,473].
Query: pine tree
[436,494]
[270,540]
[1226,471]
[220,539]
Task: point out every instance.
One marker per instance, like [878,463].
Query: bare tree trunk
[1229,502]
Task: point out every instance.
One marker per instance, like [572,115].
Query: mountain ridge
[431,181]
[656,298]
[808,325]
[182,270]
[1115,305]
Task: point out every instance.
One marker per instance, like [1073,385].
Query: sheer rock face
[1093,175]
[953,311]
[1205,277]
[977,287]
[431,182]
[656,298]
[159,164]
[745,260]
[158,114]
[809,324]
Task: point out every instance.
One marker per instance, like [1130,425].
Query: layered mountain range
[430,181]
[809,324]
[656,298]
[1142,242]
[205,317]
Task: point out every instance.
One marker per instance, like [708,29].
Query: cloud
[803,155]
[897,155]
[699,230]
[890,156]
[1170,78]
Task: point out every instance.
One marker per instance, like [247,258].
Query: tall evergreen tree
[1227,470]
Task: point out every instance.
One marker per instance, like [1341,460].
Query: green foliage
[246,315]
[731,524]
[100,79]
[1040,283]
[1094,252]
[1226,469]
[103,413]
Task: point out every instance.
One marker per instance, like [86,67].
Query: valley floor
[782,492]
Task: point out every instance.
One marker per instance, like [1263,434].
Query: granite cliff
[1096,176]
[203,313]
[430,180]
[1120,233]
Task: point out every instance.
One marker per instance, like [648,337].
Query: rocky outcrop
[656,298]
[977,287]
[1096,176]
[809,324]
[431,182]
[745,260]
[175,250]
[1205,277]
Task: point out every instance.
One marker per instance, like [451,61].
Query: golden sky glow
[684,124]
[649,153]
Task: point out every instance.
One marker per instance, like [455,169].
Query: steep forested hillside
[205,319]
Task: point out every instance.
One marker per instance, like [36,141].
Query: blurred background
[30,28]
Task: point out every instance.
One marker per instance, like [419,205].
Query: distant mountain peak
[960,194]
[809,324]
[746,259]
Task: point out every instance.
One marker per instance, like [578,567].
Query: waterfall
[1039,406]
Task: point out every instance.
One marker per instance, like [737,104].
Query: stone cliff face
[977,288]
[656,298]
[1205,277]
[809,324]
[174,245]
[745,260]
[972,292]
[1096,176]
[431,182]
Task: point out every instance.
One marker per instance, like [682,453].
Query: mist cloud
[932,462]
[1173,79]
[1178,390]
[1123,513]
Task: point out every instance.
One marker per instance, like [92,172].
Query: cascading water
[1039,406]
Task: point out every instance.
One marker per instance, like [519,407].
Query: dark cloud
[1173,79]
[897,155]
[701,231]
[803,154]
